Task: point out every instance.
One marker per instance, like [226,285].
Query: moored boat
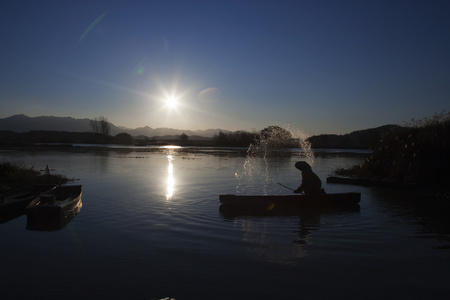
[14,202]
[53,222]
[297,200]
[53,203]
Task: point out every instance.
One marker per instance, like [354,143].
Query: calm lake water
[150,227]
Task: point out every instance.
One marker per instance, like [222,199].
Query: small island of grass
[15,176]
[417,154]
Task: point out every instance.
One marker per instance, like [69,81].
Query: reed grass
[15,176]
[417,153]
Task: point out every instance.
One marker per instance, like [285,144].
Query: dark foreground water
[150,227]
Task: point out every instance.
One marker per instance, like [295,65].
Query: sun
[171,102]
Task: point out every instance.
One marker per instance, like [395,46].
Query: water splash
[261,170]
[303,144]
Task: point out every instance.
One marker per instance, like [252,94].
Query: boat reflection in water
[4,218]
[229,211]
[309,220]
[53,222]
[13,203]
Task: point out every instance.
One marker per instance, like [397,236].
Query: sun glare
[171,102]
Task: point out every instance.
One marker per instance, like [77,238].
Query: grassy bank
[16,176]
[415,154]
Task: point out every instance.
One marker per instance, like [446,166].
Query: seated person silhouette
[311,183]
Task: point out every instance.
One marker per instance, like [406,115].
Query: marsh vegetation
[414,154]
[16,176]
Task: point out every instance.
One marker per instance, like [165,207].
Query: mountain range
[362,139]
[23,123]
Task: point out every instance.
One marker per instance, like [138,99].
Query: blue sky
[316,66]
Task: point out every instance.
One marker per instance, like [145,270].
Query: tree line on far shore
[222,139]
[273,136]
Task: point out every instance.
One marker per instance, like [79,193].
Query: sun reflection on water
[170,179]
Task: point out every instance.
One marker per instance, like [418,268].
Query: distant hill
[361,139]
[163,132]
[22,123]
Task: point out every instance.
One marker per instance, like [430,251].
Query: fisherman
[311,184]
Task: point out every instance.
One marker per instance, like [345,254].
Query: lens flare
[93,24]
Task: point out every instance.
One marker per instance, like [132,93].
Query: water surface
[150,227]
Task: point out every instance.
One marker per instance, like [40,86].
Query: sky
[321,67]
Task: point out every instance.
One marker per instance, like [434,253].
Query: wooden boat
[55,202]
[57,221]
[297,200]
[14,202]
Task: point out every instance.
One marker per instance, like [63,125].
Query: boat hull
[54,207]
[14,202]
[326,200]
[52,222]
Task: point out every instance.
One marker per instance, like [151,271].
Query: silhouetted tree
[276,137]
[236,139]
[100,127]
[184,138]
[124,139]
[243,138]
[221,139]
